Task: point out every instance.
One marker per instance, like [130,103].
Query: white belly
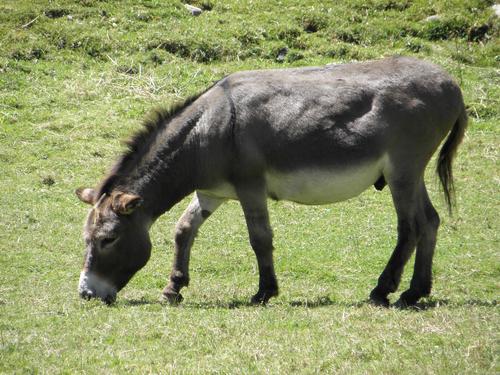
[321,186]
[313,186]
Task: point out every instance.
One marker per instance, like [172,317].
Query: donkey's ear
[125,203]
[87,195]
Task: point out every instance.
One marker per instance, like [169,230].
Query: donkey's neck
[162,167]
[168,172]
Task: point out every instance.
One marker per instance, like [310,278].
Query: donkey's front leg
[254,204]
[200,208]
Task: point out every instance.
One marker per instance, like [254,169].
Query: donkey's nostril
[86,294]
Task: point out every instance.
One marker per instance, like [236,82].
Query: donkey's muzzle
[89,294]
[92,286]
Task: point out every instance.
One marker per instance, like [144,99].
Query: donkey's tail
[446,155]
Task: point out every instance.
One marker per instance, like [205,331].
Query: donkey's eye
[108,241]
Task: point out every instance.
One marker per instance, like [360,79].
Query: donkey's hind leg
[254,203]
[428,224]
[200,208]
[405,196]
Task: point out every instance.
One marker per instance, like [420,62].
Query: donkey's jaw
[93,286]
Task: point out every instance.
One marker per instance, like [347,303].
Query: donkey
[312,135]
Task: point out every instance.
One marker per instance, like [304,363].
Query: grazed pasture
[76,77]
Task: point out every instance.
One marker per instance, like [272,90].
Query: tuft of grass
[443,29]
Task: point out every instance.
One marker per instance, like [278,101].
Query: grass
[76,77]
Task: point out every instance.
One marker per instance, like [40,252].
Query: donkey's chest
[321,186]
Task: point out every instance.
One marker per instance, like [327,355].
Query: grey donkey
[309,135]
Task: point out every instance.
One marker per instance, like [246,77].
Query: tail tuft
[445,159]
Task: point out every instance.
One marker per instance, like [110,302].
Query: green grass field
[76,78]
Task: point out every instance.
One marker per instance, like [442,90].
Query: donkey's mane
[140,142]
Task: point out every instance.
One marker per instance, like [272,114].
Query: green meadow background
[77,77]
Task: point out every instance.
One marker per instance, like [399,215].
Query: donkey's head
[117,243]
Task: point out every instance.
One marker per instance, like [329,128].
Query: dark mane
[140,142]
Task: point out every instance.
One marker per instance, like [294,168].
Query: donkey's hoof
[262,297]
[172,297]
[407,299]
[378,299]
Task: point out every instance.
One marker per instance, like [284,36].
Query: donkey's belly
[321,185]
